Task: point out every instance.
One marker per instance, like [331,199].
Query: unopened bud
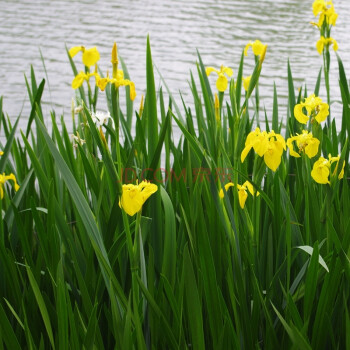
[217,108]
[141,107]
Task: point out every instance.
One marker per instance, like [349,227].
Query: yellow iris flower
[305,143]
[314,107]
[321,169]
[319,7]
[268,145]
[118,81]
[3,179]
[222,82]
[242,191]
[134,196]
[259,49]
[322,42]
[80,78]
[90,56]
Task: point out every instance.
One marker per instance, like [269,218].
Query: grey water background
[219,29]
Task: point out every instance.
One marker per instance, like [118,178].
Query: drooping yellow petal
[1,153]
[78,80]
[247,48]
[291,147]
[320,45]
[273,157]
[227,186]
[299,115]
[320,171]
[245,152]
[312,147]
[74,50]
[323,112]
[210,70]
[12,177]
[221,83]
[227,71]
[250,187]
[90,57]
[3,179]
[242,196]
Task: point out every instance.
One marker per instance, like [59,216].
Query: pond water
[219,29]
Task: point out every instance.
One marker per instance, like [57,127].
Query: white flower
[77,140]
[100,118]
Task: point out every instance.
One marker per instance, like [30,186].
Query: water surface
[219,29]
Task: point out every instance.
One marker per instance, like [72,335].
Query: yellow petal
[221,83]
[90,57]
[299,115]
[78,80]
[291,147]
[227,186]
[246,82]
[247,48]
[210,70]
[320,171]
[242,197]
[1,153]
[335,45]
[228,71]
[250,187]
[245,152]
[258,47]
[272,157]
[320,45]
[261,144]
[312,148]
[323,112]
[74,50]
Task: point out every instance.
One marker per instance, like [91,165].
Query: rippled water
[219,29]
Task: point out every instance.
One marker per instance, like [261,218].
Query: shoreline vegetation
[237,236]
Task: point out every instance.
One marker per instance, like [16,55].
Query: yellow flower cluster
[315,108]
[242,192]
[90,58]
[322,167]
[328,18]
[259,49]
[134,196]
[266,144]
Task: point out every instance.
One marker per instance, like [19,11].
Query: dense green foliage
[194,270]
